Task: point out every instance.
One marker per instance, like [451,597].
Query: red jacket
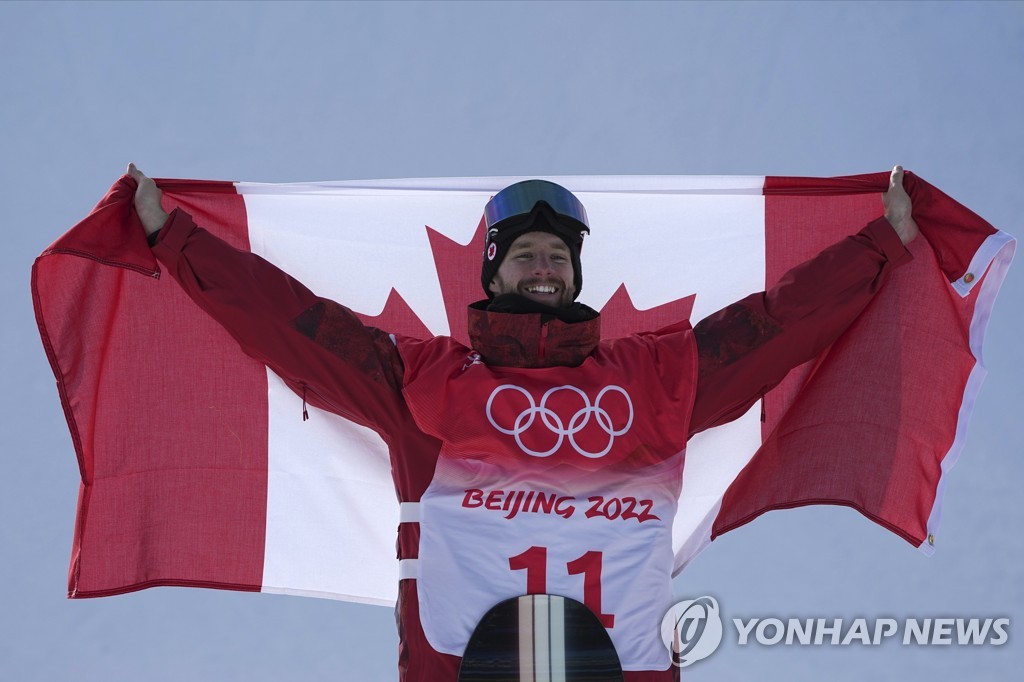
[328,356]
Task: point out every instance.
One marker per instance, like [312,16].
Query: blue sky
[286,92]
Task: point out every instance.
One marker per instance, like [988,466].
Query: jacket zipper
[543,342]
[333,407]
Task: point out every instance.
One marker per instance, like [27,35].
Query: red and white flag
[198,469]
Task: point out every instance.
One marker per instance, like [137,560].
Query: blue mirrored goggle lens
[518,200]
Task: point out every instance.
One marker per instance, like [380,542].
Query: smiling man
[540,458]
[539,267]
[535,231]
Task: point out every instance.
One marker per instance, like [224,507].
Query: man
[540,459]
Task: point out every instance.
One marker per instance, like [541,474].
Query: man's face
[538,266]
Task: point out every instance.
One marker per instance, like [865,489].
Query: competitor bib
[555,480]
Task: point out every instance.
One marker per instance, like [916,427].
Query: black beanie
[541,218]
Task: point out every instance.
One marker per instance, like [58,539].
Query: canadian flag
[198,468]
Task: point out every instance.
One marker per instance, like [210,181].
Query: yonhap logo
[605,422]
[692,630]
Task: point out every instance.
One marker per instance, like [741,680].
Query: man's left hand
[898,208]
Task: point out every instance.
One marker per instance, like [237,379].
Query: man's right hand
[147,201]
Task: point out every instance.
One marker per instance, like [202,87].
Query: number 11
[534,561]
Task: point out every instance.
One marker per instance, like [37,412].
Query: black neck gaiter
[515,303]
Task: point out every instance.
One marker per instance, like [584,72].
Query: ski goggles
[516,202]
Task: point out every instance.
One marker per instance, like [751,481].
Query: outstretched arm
[317,346]
[748,347]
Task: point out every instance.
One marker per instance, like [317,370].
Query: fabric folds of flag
[197,468]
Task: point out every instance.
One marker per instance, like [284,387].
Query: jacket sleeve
[748,347]
[320,348]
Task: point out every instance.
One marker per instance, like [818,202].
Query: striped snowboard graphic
[540,638]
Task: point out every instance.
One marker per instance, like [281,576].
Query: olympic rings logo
[554,423]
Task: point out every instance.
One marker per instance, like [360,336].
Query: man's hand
[147,201]
[897,207]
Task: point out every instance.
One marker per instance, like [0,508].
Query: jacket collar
[532,339]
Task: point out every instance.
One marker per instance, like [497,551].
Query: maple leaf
[458,273]
[620,317]
[397,318]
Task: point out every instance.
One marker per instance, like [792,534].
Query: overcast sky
[289,92]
